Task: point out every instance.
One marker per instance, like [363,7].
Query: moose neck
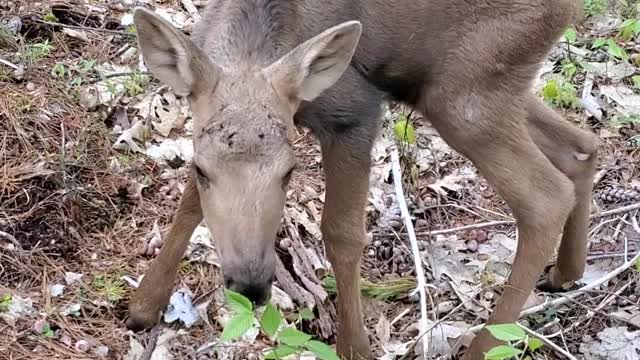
[250,32]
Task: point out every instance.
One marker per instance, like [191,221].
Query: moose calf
[254,69]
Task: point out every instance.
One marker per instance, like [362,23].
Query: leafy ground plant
[560,92]
[517,342]
[289,340]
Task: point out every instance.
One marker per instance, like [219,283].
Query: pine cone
[614,194]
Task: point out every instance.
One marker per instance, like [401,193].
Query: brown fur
[257,67]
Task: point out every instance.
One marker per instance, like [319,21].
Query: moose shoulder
[254,69]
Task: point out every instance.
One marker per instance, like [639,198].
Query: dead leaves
[614,344]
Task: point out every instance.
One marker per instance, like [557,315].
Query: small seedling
[560,92]
[38,51]
[47,332]
[59,71]
[595,7]
[571,35]
[635,80]
[135,84]
[112,289]
[404,130]
[289,340]
[5,301]
[517,342]
[629,29]
[50,17]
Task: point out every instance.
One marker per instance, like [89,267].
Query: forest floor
[94,154]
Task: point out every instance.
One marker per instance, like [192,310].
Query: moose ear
[315,65]
[171,56]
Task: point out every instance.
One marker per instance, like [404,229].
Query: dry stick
[397,183]
[9,64]
[573,294]
[619,210]
[108,31]
[191,9]
[11,239]
[548,342]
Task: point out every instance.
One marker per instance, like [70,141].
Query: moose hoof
[551,282]
[141,320]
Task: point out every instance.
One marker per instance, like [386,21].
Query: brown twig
[11,239]
[87,28]
[548,342]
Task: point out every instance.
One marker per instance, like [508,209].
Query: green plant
[560,92]
[47,332]
[384,290]
[59,71]
[134,85]
[517,342]
[50,17]
[595,7]
[289,339]
[38,51]
[111,288]
[570,68]
[5,301]
[613,48]
[629,29]
[635,80]
[404,130]
[571,35]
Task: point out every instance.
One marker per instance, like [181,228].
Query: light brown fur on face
[253,68]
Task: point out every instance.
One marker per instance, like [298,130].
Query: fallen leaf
[126,140]
[440,339]
[136,350]
[169,150]
[181,308]
[281,299]
[201,247]
[71,277]
[628,102]
[613,70]
[17,308]
[56,290]
[301,217]
[78,34]
[615,344]
[383,329]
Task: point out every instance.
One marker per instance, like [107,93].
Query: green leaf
[293,337]
[237,302]
[271,320]
[638,265]
[502,352]
[506,332]
[550,90]
[237,326]
[636,81]
[571,35]
[322,350]
[404,131]
[615,50]
[280,352]
[598,43]
[306,314]
[535,344]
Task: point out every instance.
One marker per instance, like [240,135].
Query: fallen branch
[548,342]
[191,9]
[620,210]
[573,294]
[87,28]
[422,284]
[9,64]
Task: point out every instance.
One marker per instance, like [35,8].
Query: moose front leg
[155,289]
[346,169]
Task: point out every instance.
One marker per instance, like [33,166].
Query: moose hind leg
[574,152]
[541,197]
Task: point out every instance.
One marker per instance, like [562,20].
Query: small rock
[31,86]
[101,351]
[65,339]
[82,345]
[481,236]
[38,326]
[395,224]
[445,307]
[472,245]
[422,223]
